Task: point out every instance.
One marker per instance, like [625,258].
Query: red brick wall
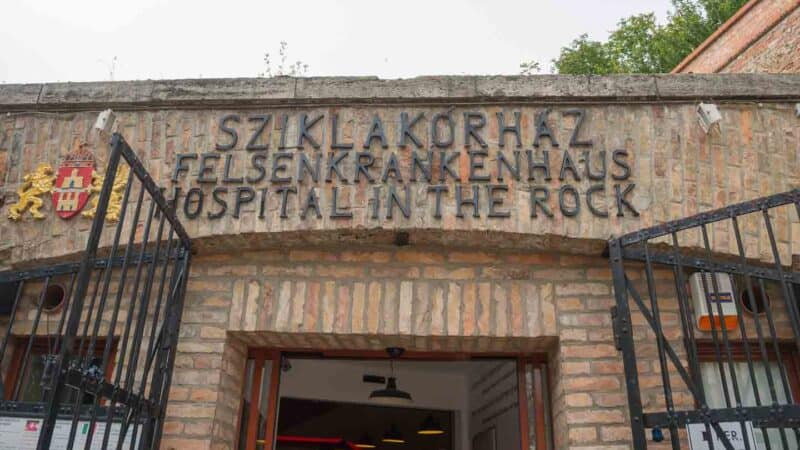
[422,299]
[778,51]
[763,37]
[428,299]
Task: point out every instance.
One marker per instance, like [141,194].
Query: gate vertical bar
[623,330]
[84,274]
[173,321]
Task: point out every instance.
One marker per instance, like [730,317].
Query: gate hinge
[616,326]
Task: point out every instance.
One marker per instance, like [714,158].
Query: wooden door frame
[261,355]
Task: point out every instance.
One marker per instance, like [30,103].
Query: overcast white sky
[76,40]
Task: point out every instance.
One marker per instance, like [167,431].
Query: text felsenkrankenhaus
[476,180]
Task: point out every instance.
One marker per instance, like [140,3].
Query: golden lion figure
[34,185]
[115,201]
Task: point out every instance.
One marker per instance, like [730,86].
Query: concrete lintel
[257,92]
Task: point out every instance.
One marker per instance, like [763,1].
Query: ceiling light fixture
[365,442]
[430,427]
[393,436]
[390,395]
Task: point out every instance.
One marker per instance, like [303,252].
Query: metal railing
[713,299]
[94,371]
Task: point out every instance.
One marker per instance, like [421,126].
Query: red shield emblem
[73,180]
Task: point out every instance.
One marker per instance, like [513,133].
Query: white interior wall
[494,402]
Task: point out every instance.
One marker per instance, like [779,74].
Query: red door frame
[261,355]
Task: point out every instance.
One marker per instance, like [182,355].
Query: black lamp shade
[393,436]
[430,427]
[365,442]
[391,395]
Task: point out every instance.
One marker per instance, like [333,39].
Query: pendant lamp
[393,436]
[365,442]
[430,427]
[390,395]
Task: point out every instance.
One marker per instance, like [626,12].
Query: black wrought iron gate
[714,300]
[88,347]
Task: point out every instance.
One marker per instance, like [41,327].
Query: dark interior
[348,422]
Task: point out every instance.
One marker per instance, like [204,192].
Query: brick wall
[466,285]
[678,170]
[432,299]
[761,37]
[774,52]
[422,298]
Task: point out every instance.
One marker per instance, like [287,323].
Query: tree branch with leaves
[640,45]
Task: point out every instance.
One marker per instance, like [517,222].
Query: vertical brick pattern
[423,299]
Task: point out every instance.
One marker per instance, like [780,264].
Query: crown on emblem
[81,157]
[82,154]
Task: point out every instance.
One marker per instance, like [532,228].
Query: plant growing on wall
[529,67]
[295,69]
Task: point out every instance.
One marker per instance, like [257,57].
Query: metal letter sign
[699,437]
[714,298]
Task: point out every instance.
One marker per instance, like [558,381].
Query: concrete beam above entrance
[259,92]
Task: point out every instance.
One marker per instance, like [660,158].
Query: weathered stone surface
[20,94]
[238,92]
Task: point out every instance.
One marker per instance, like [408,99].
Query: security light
[708,115]
[105,120]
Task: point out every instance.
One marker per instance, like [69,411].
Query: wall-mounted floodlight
[105,120]
[708,115]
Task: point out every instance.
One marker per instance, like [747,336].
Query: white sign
[20,433]
[699,436]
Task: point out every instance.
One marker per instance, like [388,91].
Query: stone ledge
[255,92]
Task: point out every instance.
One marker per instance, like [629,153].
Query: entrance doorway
[363,400]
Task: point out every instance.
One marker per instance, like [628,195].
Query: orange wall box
[719,297]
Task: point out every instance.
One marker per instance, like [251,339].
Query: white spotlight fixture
[105,120]
[708,115]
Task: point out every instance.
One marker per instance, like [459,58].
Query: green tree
[641,45]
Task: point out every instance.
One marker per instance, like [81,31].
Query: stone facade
[516,284]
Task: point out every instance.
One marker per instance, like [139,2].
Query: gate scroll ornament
[748,346]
